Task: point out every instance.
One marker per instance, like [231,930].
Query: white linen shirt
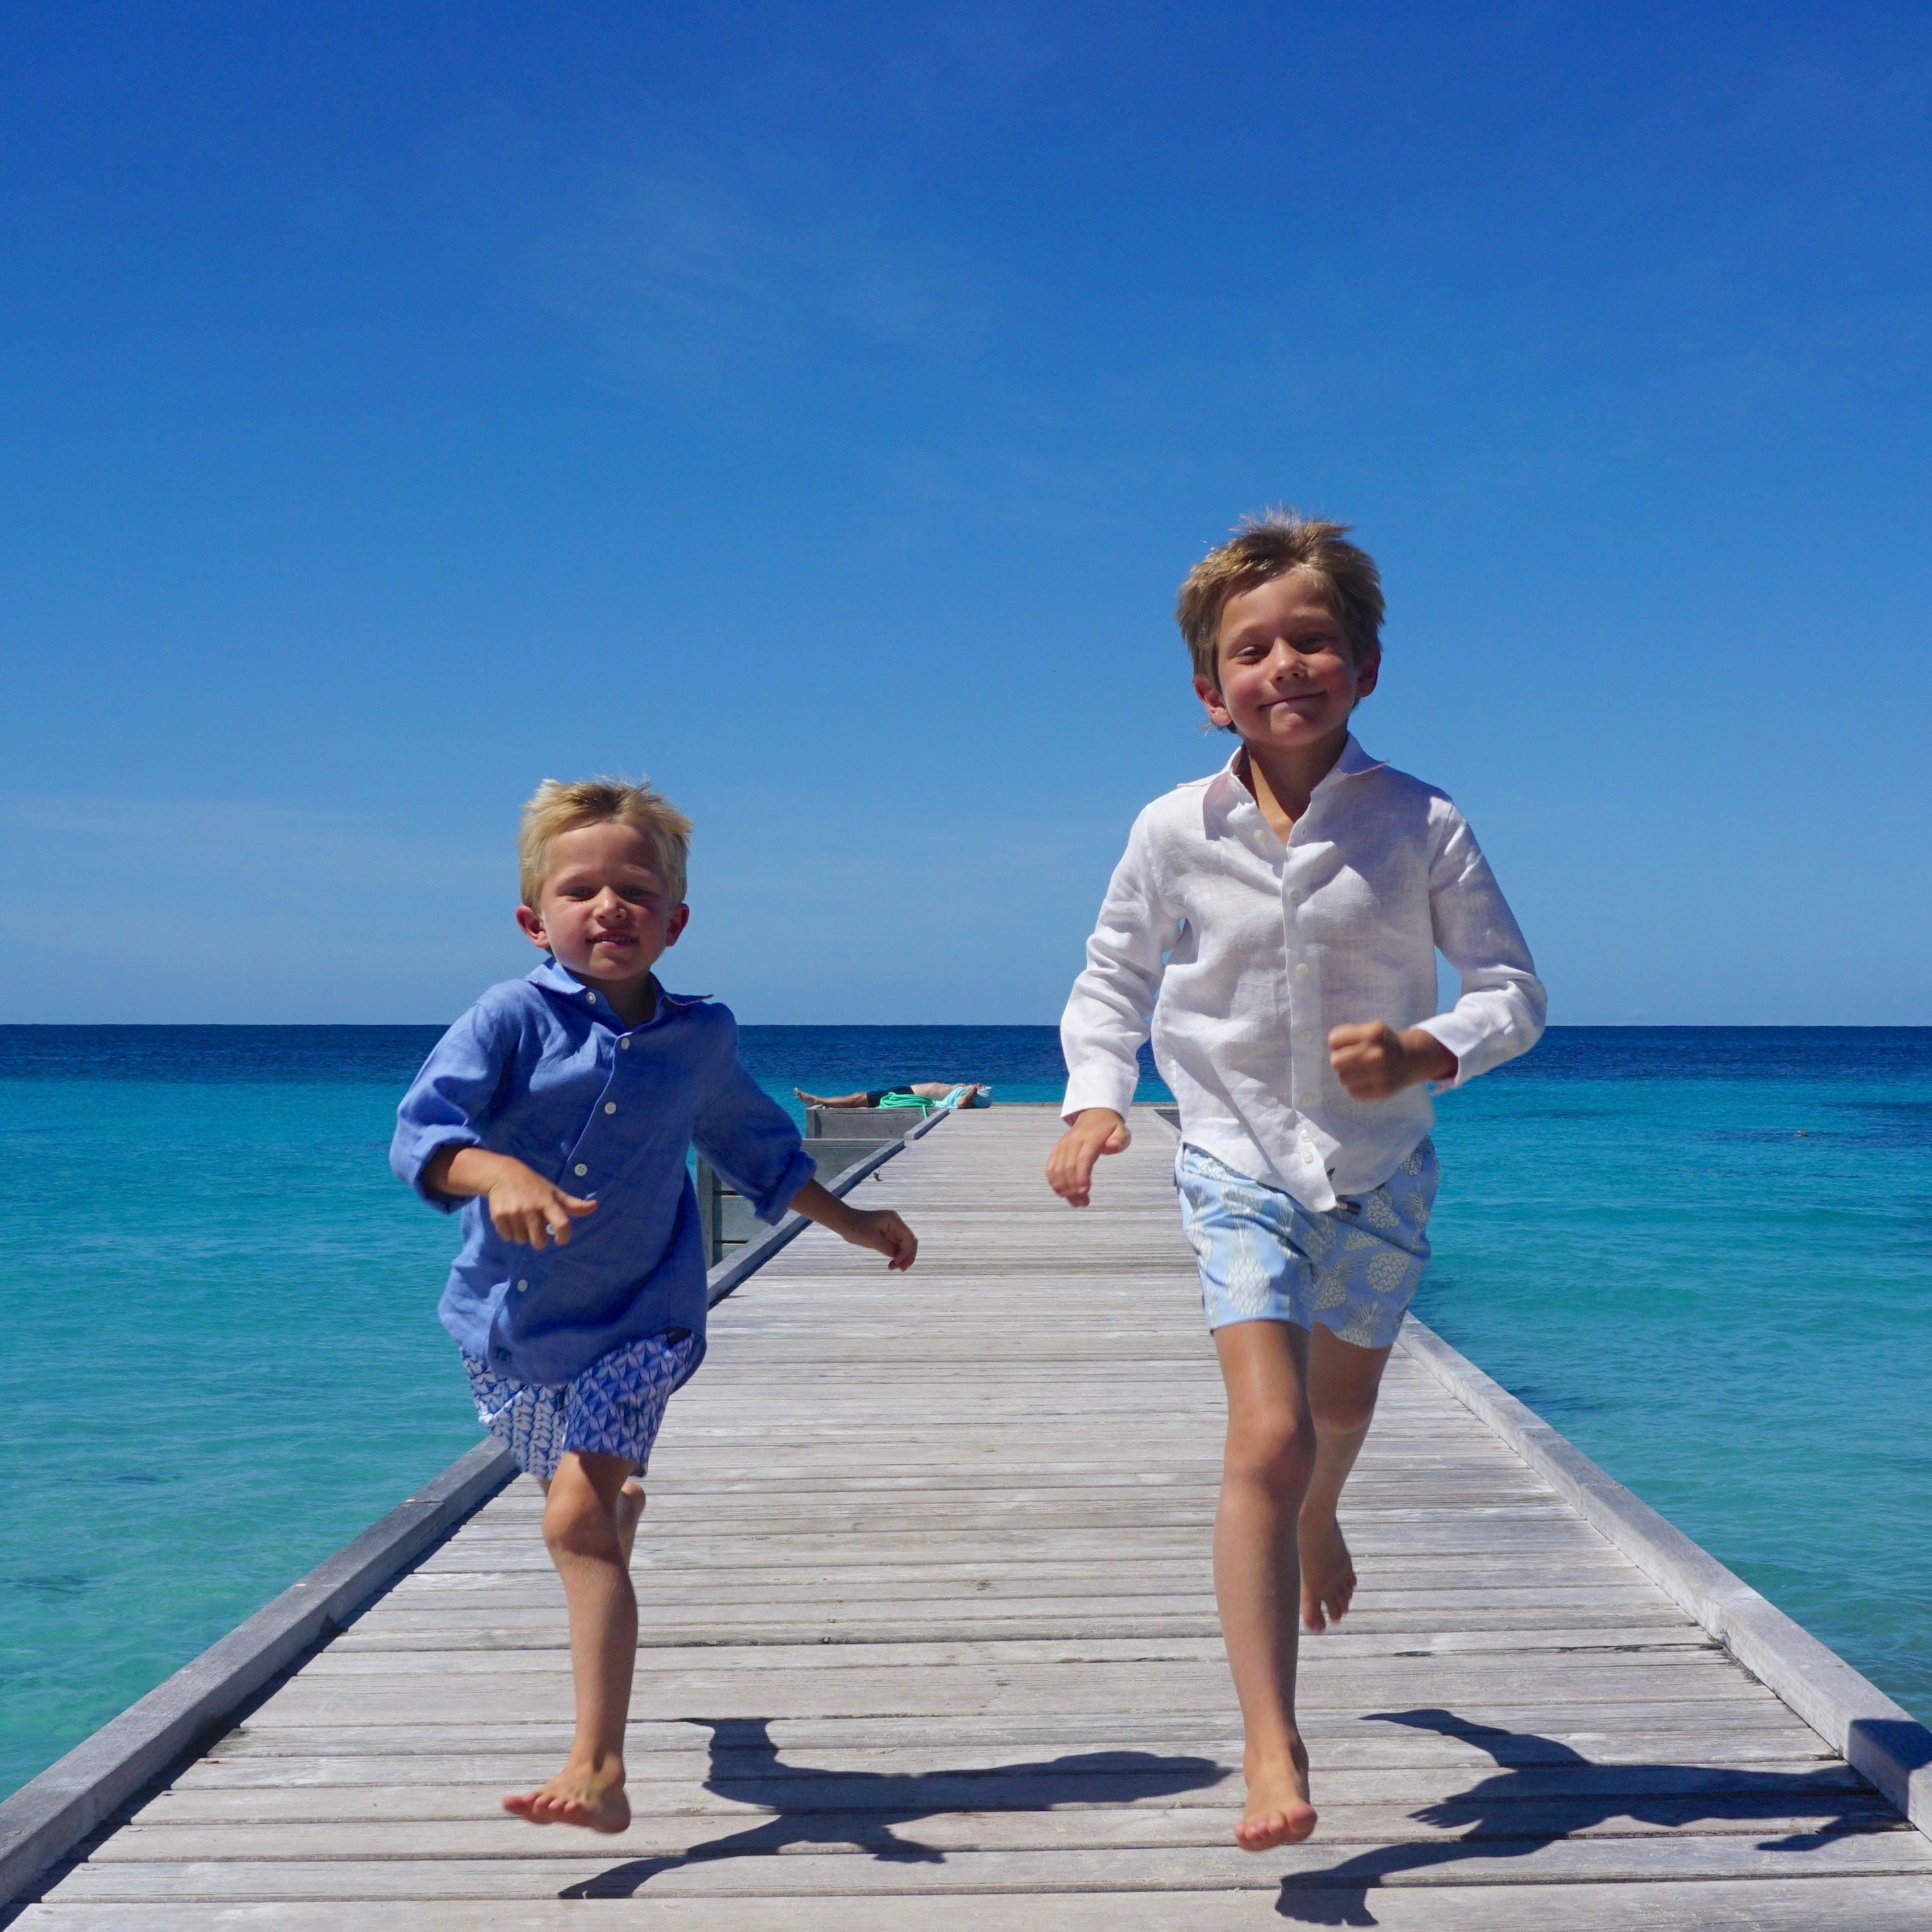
[1243,952]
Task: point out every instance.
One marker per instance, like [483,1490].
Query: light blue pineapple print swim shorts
[1265,1258]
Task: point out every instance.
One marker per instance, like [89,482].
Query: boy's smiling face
[605,910]
[1288,674]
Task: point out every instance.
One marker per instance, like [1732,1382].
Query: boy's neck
[1283,781]
[634,1001]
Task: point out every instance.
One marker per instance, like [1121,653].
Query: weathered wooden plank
[1773,1904]
[897,1870]
[507,1761]
[1691,1731]
[1097,1688]
[1130,1570]
[486,1832]
[1561,1628]
[741,1784]
[767,1653]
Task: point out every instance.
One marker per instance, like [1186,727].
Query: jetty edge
[1881,1740]
[51,1813]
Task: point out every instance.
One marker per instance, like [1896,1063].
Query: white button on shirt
[1239,955]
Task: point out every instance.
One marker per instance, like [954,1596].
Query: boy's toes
[1328,1575]
[589,1808]
[1277,1812]
[1288,1826]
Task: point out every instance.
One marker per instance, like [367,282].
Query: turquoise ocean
[1706,1254]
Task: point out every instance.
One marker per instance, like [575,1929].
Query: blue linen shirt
[543,1069]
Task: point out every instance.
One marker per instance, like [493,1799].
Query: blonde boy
[558,1112]
[1275,927]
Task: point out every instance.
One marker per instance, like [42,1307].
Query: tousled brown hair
[1269,546]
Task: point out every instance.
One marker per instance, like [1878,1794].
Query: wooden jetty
[930,1643]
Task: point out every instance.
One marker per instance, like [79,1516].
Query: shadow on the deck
[745,1763]
[1499,1812]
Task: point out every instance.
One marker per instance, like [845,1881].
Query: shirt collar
[1227,793]
[555,978]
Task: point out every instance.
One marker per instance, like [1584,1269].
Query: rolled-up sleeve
[751,1140]
[1500,1011]
[451,1100]
[1111,1008]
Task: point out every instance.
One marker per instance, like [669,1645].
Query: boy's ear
[1366,676]
[1217,709]
[532,926]
[674,925]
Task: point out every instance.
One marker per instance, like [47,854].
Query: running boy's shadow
[1525,1806]
[860,1808]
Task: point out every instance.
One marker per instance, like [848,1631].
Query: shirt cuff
[771,1208]
[432,1142]
[1466,1039]
[1099,1087]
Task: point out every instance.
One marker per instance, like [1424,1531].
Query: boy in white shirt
[1276,927]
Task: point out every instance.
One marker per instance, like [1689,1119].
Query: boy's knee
[1342,1413]
[1276,1449]
[576,1522]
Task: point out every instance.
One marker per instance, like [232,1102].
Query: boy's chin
[625,970]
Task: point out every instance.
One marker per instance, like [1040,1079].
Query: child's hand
[525,1207]
[1069,1168]
[885,1233]
[881,1230]
[1372,1060]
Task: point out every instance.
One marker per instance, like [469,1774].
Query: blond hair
[555,807]
[1269,546]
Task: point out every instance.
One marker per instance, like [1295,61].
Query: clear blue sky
[815,407]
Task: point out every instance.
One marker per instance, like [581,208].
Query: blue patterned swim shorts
[614,1407]
[1265,1258]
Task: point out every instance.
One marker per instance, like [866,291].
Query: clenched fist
[1372,1060]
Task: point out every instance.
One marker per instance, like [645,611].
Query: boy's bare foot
[1327,1572]
[591,1795]
[1278,1812]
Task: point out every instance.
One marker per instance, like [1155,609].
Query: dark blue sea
[1705,1254]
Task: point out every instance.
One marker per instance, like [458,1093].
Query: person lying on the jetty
[1275,927]
[558,1112]
[958,1093]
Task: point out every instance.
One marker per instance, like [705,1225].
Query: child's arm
[523,1206]
[879,1229]
[1500,1012]
[750,1138]
[1108,1015]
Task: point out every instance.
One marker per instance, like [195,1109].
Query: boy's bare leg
[1265,1472]
[630,1513]
[828,1100]
[1342,1383]
[588,1524]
